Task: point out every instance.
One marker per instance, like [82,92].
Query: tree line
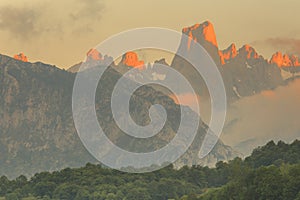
[270,172]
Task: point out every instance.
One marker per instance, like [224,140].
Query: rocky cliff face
[244,71]
[249,73]
[203,34]
[37,130]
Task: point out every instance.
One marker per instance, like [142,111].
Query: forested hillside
[267,174]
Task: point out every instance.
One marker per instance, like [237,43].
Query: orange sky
[61,32]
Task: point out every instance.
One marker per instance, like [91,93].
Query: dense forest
[271,172]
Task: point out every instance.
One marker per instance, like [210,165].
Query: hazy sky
[61,32]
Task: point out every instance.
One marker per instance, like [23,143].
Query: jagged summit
[204,34]
[285,60]
[246,52]
[249,52]
[21,57]
[295,60]
[228,54]
[94,54]
[198,32]
[131,59]
[94,57]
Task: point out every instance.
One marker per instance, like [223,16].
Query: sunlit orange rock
[201,31]
[249,52]
[277,58]
[94,54]
[284,60]
[295,60]
[21,57]
[209,33]
[222,59]
[228,54]
[131,59]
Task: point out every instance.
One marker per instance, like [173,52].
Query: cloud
[270,115]
[58,18]
[290,45]
[86,15]
[91,9]
[19,22]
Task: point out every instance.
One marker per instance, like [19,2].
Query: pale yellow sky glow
[61,32]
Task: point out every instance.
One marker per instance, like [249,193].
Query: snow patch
[248,66]
[286,75]
[236,92]
[157,76]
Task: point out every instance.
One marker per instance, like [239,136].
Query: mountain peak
[295,60]
[21,57]
[94,54]
[131,59]
[198,32]
[284,60]
[228,53]
[249,52]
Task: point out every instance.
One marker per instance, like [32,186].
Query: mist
[290,45]
[270,115]
[255,120]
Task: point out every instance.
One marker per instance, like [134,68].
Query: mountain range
[37,130]
[245,72]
